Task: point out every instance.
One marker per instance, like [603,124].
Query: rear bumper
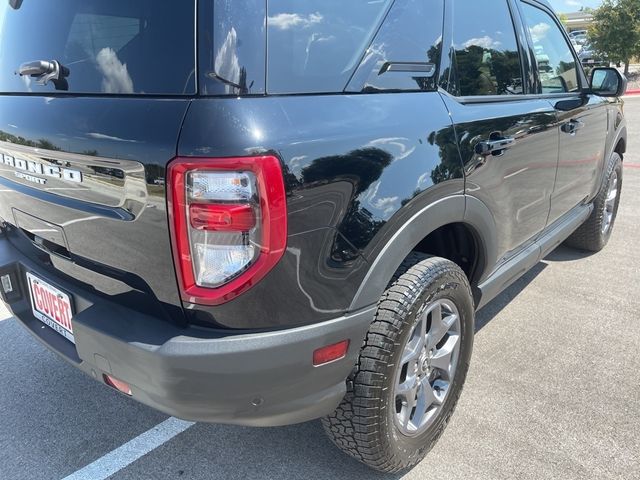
[259,379]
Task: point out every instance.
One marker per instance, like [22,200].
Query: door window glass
[486,50]
[557,66]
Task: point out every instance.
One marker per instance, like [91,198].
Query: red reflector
[330,353]
[222,218]
[117,384]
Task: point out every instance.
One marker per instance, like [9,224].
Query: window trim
[448,60]
[581,76]
[486,99]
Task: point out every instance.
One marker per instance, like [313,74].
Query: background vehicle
[577,33]
[581,39]
[299,220]
[577,46]
[590,58]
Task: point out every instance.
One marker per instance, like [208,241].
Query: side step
[521,263]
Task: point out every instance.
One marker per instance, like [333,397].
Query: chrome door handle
[572,126]
[495,147]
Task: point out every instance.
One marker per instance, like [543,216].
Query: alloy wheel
[427,367]
[610,203]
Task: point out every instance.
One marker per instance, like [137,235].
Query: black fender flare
[453,209]
[621,134]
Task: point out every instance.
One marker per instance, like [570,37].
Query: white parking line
[131,451]
[4,313]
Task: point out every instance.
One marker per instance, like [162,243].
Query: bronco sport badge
[31,168]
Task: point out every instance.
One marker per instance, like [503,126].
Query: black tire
[590,236]
[364,424]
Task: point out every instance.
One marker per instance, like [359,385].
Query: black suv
[272,211]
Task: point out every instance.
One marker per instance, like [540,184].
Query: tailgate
[83,180]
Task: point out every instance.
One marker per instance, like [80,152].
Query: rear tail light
[228,224]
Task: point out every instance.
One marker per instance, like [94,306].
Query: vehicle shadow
[293,452]
[203,451]
[567,254]
[219,451]
[77,408]
[495,306]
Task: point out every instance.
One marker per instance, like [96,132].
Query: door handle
[495,146]
[572,126]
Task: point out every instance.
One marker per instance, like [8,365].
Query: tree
[616,30]
[563,19]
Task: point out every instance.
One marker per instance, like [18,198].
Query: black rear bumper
[257,379]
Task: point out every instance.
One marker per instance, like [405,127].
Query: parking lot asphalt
[553,392]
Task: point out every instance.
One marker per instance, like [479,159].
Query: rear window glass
[313,46]
[116,47]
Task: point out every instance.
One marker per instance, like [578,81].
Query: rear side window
[314,46]
[557,67]
[486,51]
[405,54]
[232,44]
[116,47]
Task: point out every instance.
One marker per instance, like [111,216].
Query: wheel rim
[610,204]
[427,367]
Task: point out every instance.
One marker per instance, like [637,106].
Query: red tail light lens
[228,224]
[222,218]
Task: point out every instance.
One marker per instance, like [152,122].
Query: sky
[568,6]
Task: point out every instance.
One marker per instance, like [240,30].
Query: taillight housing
[228,219]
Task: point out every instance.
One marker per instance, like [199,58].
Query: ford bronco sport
[265,212]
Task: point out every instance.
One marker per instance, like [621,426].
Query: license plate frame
[51,306]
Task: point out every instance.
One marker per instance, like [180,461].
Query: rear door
[582,118]
[85,134]
[508,139]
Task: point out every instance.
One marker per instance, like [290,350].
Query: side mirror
[608,82]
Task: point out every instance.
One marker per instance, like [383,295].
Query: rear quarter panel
[354,166]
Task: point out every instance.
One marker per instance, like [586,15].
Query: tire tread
[354,426]
[589,236]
